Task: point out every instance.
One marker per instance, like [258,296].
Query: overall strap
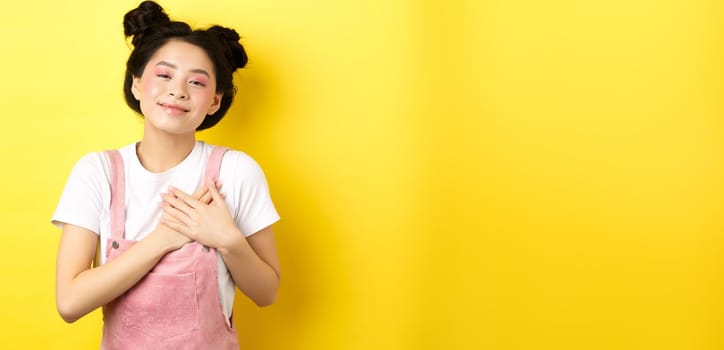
[118,186]
[213,165]
[118,195]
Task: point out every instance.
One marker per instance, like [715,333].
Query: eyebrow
[171,65]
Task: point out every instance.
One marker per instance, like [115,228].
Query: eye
[197,83]
[163,76]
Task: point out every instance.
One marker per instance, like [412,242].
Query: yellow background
[510,174]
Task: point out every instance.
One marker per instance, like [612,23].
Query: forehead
[184,56]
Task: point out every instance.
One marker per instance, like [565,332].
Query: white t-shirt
[85,201]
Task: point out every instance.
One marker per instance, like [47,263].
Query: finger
[176,226]
[215,195]
[171,213]
[190,201]
[217,185]
[167,219]
[177,203]
[203,189]
[218,188]
[206,198]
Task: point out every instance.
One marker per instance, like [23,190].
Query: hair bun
[138,21]
[233,50]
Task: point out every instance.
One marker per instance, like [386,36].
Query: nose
[178,92]
[178,95]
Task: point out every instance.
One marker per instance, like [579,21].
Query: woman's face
[177,89]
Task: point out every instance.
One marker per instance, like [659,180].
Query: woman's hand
[175,238]
[252,261]
[206,220]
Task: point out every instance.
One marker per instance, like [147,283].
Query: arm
[81,289]
[252,262]
[254,265]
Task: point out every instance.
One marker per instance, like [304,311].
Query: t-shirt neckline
[137,160]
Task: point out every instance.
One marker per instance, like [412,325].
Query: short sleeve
[81,202]
[253,208]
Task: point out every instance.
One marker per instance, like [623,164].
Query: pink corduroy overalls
[176,305]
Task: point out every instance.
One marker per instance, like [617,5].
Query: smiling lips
[173,109]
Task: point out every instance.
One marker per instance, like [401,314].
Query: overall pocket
[163,305]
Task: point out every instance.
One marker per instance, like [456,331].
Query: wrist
[164,239]
[234,245]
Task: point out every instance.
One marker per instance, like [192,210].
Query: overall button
[114,245]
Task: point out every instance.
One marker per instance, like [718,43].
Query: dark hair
[150,28]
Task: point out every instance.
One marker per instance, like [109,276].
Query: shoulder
[91,164]
[241,166]
[90,173]
[96,166]
[240,159]
[85,193]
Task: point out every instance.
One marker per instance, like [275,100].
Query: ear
[215,103]
[135,90]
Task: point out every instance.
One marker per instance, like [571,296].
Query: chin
[171,129]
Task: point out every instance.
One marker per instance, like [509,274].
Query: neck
[160,152]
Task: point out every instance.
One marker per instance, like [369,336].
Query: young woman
[160,232]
